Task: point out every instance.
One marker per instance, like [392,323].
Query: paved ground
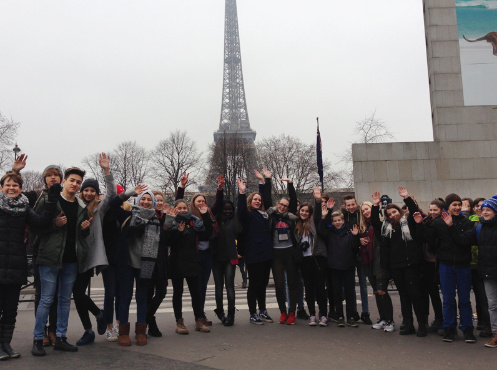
[246,346]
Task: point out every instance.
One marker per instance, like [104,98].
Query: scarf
[387,229]
[188,218]
[14,206]
[145,217]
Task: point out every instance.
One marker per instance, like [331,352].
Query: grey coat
[96,248]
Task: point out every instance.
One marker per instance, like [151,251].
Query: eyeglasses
[283,205]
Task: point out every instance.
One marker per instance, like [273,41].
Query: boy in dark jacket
[342,247]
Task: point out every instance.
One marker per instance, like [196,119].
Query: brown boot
[180,327]
[52,337]
[141,337]
[200,326]
[46,340]
[492,343]
[123,339]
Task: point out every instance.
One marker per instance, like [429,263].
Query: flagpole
[319,155]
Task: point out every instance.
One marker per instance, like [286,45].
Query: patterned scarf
[14,206]
[146,217]
[387,229]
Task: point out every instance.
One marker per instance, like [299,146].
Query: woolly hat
[491,203]
[52,166]
[449,199]
[154,201]
[91,183]
[119,189]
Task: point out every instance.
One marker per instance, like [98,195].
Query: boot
[230,319]
[201,327]
[3,355]
[141,337]
[220,314]
[123,338]
[46,340]
[422,329]
[7,333]
[153,330]
[408,328]
[206,321]
[52,337]
[366,319]
[38,349]
[180,327]
[469,337]
[62,345]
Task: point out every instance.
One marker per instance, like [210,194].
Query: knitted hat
[154,201]
[119,189]
[52,166]
[91,183]
[449,199]
[491,203]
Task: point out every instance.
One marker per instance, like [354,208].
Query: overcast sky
[83,76]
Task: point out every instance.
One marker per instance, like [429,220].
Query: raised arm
[292,194]
[218,204]
[266,196]
[242,211]
[375,215]
[180,193]
[110,185]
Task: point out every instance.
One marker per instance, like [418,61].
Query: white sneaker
[323,321]
[312,320]
[390,326]
[379,325]
[113,334]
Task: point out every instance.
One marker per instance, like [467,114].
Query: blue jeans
[363,286]
[452,278]
[127,276]
[49,278]
[205,258]
[111,287]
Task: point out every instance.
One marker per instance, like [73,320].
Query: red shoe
[291,319]
[283,318]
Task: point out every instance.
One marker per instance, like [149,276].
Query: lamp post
[16,151]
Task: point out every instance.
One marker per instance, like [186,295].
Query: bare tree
[171,158]
[233,157]
[289,157]
[8,133]
[93,168]
[32,180]
[129,164]
[372,130]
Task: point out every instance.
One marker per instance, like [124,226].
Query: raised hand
[169,211]
[354,230]
[330,204]
[181,226]
[19,163]
[184,179]
[267,174]
[259,176]
[220,182]
[241,185]
[104,162]
[86,224]
[203,209]
[376,198]
[447,218]
[140,188]
[317,193]
[417,217]
[60,220]
[403,192]
[324,210]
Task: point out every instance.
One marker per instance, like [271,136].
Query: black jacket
[341,248]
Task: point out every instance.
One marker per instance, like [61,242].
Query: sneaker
[111,335]
[312,321]
[341,322]
[254,319]
[87,338]
[366,319]
[283,318]
[436,325]
[62,345]
[302,314]
[389,326]
[469,337]
[379,325]
[448,335]
[352,323]
[323,321]
[492,343]
[291,319]
[101,323]
[265,316]
[332,316]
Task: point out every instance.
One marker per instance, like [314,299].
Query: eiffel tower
[234,114]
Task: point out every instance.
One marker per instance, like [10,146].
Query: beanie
[449,199]
[91,183]
[491,203]
[55,167]
[119,189]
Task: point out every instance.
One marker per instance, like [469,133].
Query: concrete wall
[462,157]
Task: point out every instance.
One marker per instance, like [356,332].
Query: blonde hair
[362,228]
[194,209]
[337,214]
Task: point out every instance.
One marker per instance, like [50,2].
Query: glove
[53,192]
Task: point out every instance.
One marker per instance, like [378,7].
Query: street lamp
[16,151]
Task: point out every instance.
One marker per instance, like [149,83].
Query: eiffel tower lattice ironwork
[234,114]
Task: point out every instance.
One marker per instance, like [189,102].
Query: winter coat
[342,246]
[317,243]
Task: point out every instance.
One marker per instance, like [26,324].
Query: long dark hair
[302,226]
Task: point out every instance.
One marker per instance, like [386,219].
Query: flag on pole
[319,154]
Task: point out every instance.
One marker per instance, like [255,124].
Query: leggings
[159,287]
[224,274]
[193,287]
[314,274]
[82,301]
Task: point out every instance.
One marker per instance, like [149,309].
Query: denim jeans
[363,287]
[205,258]
[111,286]
[452,279]
[224,274]
[49,278]
[491,291]
[9,298]
[127,276]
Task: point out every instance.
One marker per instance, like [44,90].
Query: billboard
[477,27]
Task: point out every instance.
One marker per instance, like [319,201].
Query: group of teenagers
[75,231]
